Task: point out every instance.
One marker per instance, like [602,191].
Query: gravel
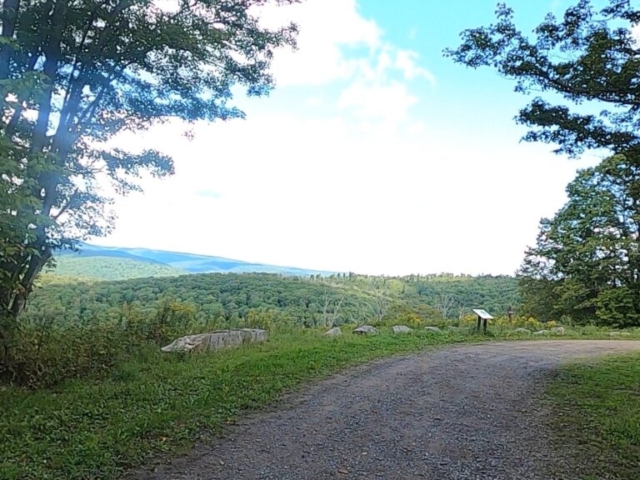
[464,412]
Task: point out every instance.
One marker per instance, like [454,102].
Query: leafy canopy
[589,57]
[586,263]
[75,73]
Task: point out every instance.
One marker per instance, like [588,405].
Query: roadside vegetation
[598,404]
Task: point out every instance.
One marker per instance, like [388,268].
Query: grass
[164,403]
[597,407]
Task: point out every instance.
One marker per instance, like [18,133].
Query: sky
[374,154]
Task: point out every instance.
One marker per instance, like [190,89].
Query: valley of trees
[71,268]
[75,329]
[226,300]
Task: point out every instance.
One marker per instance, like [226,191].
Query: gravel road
[464,412]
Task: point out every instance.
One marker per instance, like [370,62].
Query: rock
[216,340]
[366,330]
[451,328]
[558,330]
[401,329]
[334,332]
[433,329]
[542,332]
[619,334]
[522,330]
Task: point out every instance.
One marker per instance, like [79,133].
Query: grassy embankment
[597,408]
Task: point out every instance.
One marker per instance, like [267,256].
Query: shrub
[411,316]
[47,351]
[44,355]
[532,324]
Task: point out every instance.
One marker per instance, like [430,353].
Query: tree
[330,310]
[379,305]
[445,304]
[589,56]
[73,74]
[586,263]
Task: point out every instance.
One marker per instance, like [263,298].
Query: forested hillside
[228,299]
[108,268]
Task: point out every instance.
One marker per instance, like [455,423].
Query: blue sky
[374,154]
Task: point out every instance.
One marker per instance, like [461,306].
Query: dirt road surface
[464,412]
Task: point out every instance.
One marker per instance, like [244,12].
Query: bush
[402,314]
[44,355]
[46,351]
[502,323]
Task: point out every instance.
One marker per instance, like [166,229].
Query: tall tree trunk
[30,263]
[9,18]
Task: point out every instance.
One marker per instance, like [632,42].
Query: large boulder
[542,332]
[401,329]
[433,329]
[366,330]
[522,331]
[619,334]
[334,332]
[558,330]
[216,340]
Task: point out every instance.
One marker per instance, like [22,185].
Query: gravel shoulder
[461,412]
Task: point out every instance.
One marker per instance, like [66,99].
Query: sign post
[483,317]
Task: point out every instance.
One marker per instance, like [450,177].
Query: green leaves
[586,262]
[587,56]
[73,75]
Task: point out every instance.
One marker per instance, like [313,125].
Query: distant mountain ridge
[73,264]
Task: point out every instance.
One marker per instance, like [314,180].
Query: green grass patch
[163,403]
[597,407]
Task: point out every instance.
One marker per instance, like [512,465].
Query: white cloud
[407,61]
[344,176]
[337,44]
[326,28]
[635,33]
[346,196]
[390,101]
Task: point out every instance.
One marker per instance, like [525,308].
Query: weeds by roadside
[597,405]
